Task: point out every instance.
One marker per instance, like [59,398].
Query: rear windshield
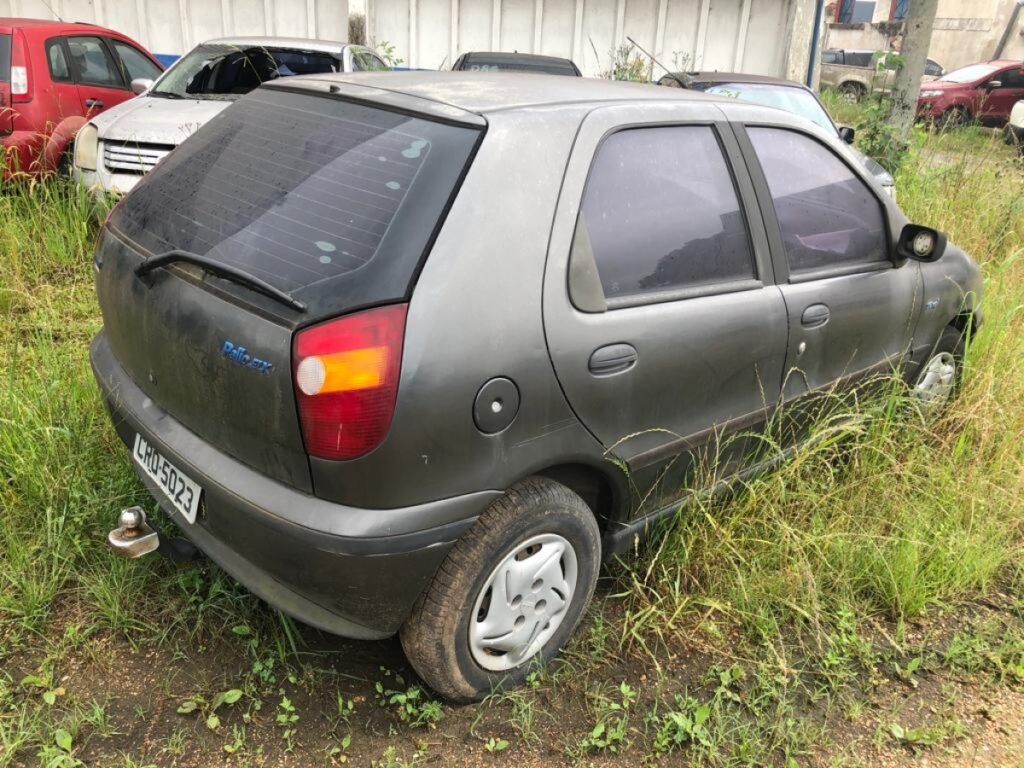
[5,58]
[297,189]
[479,64]
[227,71]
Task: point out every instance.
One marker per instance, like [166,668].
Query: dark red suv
[53,77]
[983,92]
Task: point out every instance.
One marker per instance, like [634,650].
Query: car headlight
[86,147]
[929,94]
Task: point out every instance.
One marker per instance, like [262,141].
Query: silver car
[116,148]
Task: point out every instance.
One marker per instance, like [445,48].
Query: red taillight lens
[21,69]
[346,379]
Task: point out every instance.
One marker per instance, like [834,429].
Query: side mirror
[993,84]
[846,133]
[141,85]
[921,243]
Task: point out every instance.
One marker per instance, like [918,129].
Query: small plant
[286,718]
[411,705]
[915,738]
[906,674]
[388,52]
[59,753]
[628,65]
[495,745]
[612,727]
[238,739]
[337,752]
[683,726]
[208,709]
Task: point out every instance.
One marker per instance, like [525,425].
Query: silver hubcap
[523,602]
[935,384]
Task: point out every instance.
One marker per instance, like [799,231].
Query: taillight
[21,85]
[346,379]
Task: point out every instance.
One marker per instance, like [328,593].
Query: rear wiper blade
[221,270]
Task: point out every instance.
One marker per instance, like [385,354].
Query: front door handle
[614,358]
[94,103]
[815,315]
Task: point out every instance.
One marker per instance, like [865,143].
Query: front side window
[57,61]
[660,213]
[92,63]
[829,217]
[1011,78]
[135,63]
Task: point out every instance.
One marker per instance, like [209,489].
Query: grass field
[860,606]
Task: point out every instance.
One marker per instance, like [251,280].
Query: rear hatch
[329,202]
[6,113]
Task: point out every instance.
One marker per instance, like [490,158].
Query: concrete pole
[920,22]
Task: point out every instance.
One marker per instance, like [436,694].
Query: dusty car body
[853,72]
[781,94]
[390,382]
[118,147]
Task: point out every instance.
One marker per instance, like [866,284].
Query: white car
[115,149]
[1015,127]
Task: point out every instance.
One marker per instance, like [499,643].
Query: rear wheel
[511,591]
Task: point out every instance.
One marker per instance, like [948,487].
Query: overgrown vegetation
[791,622]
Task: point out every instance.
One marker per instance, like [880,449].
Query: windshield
[794,100]
[227,72]
[969,74]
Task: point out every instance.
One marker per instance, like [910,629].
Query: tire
[852,91]
[955,118]
[445,636]
[935,385]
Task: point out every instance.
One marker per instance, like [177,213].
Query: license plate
[181,490]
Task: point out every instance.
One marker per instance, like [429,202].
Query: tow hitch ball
[133,537]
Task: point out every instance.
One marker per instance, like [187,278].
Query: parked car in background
[117,148]
[1014,131]
[979,92]
[854,73]
[482,61]
[53,78]
[373,340]
[781,94]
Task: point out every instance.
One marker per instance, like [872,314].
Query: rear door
[61,89]
[101,84]
[851,310]
[662,321]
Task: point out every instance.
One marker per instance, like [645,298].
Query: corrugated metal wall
[175,26]
[738,35]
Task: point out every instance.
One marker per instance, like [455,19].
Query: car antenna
[673,75]
[50,8]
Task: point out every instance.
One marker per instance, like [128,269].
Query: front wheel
[511,591]
[939,378]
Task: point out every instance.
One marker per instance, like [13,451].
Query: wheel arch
[603,489]
[60,139]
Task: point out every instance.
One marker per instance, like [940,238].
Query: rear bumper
[352,572]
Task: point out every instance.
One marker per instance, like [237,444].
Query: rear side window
[5,58]
[660,213]
[297,189]
[828,216]
[92,63]
[57,61]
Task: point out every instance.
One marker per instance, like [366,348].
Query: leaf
[63,739]
[34,680]
[701,714]
[242,629]
[50,697]
[897,731]
[187,707]
[213,722]
[598,731]
[230,697]
[346,741]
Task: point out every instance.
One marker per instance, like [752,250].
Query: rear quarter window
[299,189]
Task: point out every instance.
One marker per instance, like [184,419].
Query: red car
[53,78]
[983,92]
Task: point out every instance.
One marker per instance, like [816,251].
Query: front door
[662,321]
[999,99]
[851,309]
[100,82]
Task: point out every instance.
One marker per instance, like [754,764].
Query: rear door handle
[94,103]
[614,358]
[815,315]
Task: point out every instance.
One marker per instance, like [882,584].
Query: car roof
[299,43]
[19,22]
[482,92]
[735,77]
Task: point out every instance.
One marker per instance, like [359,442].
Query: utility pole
[918,37]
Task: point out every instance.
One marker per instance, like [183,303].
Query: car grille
[133,157]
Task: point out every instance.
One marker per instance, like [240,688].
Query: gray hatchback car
[381,346]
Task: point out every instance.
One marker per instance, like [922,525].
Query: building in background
[771,37]
[169,28]
[966,31]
